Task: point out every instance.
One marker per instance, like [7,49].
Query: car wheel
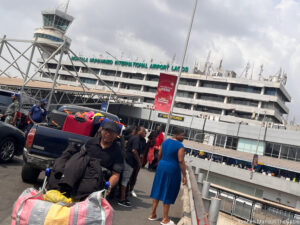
[29,174]
[8,147]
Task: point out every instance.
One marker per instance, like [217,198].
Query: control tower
[55,25]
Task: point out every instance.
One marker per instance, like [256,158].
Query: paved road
[11,186]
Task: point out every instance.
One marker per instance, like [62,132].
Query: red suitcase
[77,127]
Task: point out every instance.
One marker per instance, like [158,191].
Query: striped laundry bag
[31,209]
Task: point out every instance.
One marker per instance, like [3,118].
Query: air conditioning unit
[264,124]
[200,116]
[270,124]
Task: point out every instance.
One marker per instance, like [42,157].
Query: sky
[258,32]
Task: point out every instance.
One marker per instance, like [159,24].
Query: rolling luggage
[77,125]
[57,118]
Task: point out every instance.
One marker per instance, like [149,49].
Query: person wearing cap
[12,110]
[107,149]
[37,114]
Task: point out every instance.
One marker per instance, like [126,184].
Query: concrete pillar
[200,181]
[205,189]
[213,212]
[197,170]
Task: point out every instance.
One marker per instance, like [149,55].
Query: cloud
[259,32]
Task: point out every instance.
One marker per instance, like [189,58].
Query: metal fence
[254,210]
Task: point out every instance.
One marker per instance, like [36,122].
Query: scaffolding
[22,61]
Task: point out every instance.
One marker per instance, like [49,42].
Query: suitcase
[75,126]
[57,118]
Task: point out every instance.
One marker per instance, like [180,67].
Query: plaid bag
[30,208]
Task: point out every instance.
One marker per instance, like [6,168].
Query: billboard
[165,92]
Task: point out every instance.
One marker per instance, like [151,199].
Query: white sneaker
[133,194]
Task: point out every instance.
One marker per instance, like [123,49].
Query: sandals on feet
[169,223]
[153,219]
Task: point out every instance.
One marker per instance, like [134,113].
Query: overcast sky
[256,31]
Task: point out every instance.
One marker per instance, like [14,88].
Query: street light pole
[113,85]
[180,69]
[211,157]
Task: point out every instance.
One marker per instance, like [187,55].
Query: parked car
[12,142]
[46,142]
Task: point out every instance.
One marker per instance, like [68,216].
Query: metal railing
[254,210]
[198,212]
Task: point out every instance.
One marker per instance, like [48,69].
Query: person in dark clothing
[75,167]
[134,151]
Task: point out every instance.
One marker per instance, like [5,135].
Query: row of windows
[49,37]
[282,151]
[210,97]
[241,101]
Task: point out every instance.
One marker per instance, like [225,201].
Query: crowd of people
[117,157]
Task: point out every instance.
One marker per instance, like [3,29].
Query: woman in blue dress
[167,179]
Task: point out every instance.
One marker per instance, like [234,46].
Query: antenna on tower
[252,72]
[67,6]
[207,62]
[260,72]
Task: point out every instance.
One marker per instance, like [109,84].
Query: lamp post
[211,157]
[113,85]
[179,74]
[255,156]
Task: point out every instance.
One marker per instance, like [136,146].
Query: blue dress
[167,178]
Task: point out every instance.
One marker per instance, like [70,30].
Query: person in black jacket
[78,172]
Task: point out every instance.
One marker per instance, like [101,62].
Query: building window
[251,146]
[152,77]
[185,94]
[220,141]
[189,82]
[71,68]
[108,72]
[231,142]
[68,78]
[149,100]
[207,109]
[183,105]
[245,88]
[241,101]
[211,84]
[210,97]
[51,65]
[150,89]
[270,91]
[88,80]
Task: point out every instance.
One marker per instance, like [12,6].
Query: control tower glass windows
[48,20]
[245,88]
[61,23]
[185,94]
[211,84]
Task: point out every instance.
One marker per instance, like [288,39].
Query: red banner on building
[165,92]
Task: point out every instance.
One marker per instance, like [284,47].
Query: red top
[159,139]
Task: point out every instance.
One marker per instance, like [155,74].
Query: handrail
[259,200]
[200,212]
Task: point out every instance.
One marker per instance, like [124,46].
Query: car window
[5,99]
